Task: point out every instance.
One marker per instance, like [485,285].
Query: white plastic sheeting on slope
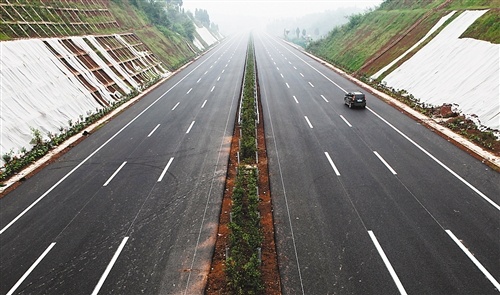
[36,90]
[206,35]
[198,44]
[431,31]
[452,70]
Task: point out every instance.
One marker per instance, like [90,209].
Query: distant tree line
[202,16]
[167,14]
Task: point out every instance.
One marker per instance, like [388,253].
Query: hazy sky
[233,15]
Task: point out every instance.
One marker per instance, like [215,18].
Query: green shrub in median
[245,238]
[243,261]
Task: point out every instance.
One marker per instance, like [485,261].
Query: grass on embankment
[168,46]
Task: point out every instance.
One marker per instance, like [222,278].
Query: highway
[134,208]
[368,201]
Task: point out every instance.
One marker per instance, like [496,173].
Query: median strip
[245,260]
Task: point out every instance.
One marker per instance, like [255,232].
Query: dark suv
[355,99]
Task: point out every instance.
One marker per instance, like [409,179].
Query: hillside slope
[70,62]
[381,42]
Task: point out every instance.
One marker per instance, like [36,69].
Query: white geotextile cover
[198,44]
[206,35]
[452,70]
[431,31]
[36,90]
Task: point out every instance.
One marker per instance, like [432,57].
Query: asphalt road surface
[134,208]
[367,201]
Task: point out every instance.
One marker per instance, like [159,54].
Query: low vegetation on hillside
[486,28]
[162,26]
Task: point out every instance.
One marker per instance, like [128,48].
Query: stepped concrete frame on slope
[46,83]
[462,71]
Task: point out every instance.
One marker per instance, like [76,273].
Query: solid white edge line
[190,126]
[27,273]
[114,174]
[474,260]
[152,131]
[295,99]
[345,120]
[311,84]
[387,263]
[332,164]
[213,87]
[385,163]
[189,90]
[308,122]
[324,98]
[203,105]
[165,170]
[175,106]
[437,161]
[109,267]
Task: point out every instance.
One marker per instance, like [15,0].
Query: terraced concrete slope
[65,61]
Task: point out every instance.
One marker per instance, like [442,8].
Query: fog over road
[366,201]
